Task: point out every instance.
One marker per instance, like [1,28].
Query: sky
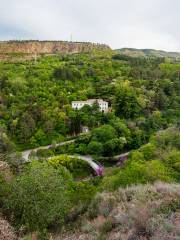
[118,23]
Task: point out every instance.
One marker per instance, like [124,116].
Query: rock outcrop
[49,47]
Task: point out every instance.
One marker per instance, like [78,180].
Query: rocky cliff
[49,47]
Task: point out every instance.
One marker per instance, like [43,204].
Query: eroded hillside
[27,49]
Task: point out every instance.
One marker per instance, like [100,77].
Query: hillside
[56,194]
[27,49]
[142,212]
[133,52]
[36,98]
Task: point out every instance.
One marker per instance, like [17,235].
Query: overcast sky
[118,23]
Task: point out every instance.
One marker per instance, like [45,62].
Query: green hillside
[133,52]
[55,194]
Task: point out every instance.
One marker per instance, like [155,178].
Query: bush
[81,192]
[78,167]
[44,153]
[169,137]
[148,150]
[138,172]
[172,160]
[39,197]
[156,170]
[107,226]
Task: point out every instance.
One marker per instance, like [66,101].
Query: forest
[53,193]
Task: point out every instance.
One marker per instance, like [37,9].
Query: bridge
[97,167]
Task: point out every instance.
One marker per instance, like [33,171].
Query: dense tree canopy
[35,99]
[35,110]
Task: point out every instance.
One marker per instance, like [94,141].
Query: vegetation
[157,160]
[133,52]
[137,212]
[36,97]
[39,196]
[77,167]
[55,191]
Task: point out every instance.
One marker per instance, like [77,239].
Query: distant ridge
[48,47]
[133,52]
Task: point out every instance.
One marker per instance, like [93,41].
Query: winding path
[26,153]
[99,169]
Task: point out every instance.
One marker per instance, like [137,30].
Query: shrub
[93,209]
[168,137]
[78,167]
[148,150]
[158,171]
[87,228]
[107,226]
[39,197]
[138,172]
[81,192]
[44,153]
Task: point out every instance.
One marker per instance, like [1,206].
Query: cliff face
[48,47]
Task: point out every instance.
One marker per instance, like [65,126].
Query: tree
[75,122]
[95,148]
[39,196]
[103,133]
[121,128]
[40,137]
[26,126]
[126,101]
[5,144]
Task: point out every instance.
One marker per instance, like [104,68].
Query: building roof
[90,101]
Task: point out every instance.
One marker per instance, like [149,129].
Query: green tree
[126,101]
[26,126]
[38,197]
[103,133]
[40,137]
[95,148]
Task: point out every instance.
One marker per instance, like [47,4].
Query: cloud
[119,23]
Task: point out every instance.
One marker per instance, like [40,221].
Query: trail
[98,168]
[26,153]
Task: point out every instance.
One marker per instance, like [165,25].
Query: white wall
[78,105]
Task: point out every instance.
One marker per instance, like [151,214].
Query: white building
[103,105]
[85,129]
